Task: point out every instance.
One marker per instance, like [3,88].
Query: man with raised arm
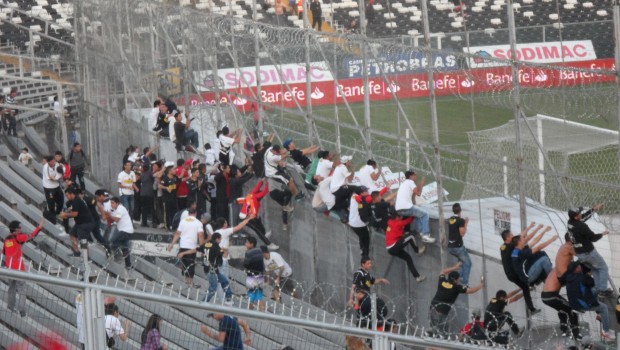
[448,289]
[531,263]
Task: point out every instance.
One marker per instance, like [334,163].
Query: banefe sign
[232,78]
[414,62]
[548,52]
[458,82]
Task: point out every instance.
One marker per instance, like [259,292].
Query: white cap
[168,164]
[345,159]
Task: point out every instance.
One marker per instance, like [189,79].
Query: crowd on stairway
[203,197]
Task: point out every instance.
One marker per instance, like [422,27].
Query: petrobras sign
[246,77]
[549,52]
[414,62]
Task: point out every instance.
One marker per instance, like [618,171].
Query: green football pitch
[456,116]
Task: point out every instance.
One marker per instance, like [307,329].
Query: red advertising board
[495,79]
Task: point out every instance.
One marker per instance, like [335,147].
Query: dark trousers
[398,250]
[12,125]
[146,204]
[158,214]
[170,208]
[201,205]
[97,233]
[121,240]
[181,203]
[364,238]
[221,209]
[257,226]
[78,176]
[343,195]
[498,320]
[55,199]
[213,208]
[137,206]
[567,317]
[316,19]
[526,293]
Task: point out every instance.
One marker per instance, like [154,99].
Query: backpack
[579,291]
[109,341]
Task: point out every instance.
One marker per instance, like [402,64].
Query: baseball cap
[168,164]
[345,159]
[287,142]
[572,213]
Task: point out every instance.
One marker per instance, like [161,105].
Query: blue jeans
[420,223]
[541,265]
[600,271]
[192,137]
[602,310]
[463,256]
[127,200]
[215,278]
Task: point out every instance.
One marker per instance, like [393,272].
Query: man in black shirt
[194,194]
[381,209]
[78,210]
[163,121]
[91,203]
[364,309]
[531,264]
[457,226]
[582,237]
[300,156]
[255,270]
[495,317]
[506,254]
[362,279]
[185,137]
[448,289]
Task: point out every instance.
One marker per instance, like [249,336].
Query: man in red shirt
[182,172]
[12,251]
[396,241]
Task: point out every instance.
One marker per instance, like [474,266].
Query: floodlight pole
[362,6]
[259,101]
[435,126]
[617,64]
[308,77]
[516,105]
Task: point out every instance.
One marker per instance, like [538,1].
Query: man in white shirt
[51,179]
[341,178]
[359,226]
[126,187]
[275,168]
[369,174]
[124,226]
[226,141]
[323,199]
[226,232]
[211,156]
[189,235]
[280,270]
[406,207]
[325,165]
[153,114]
[113,326]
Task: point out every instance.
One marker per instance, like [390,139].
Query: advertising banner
[414,62]
[548,52]
[493,79]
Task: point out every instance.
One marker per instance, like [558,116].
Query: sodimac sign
[492,79]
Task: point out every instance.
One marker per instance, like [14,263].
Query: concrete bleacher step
[295,337]
[46,319]
[9,338]
[36,141]
[19,184]
[16,144]
[26,173]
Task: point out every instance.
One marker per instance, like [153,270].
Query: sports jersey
[446,294]
[455,240]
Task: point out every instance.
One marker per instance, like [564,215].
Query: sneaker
[534,312]
[606,293]
[74,255]
[420,278]
[608,336]
[288,208]
[273,246]
[228,302]
[421,249]
[189,148]
[428,239]
[161,226]
[300,196]
[284,227]
[268,234]
[22,313]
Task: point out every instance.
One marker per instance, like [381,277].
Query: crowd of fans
[203,199]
